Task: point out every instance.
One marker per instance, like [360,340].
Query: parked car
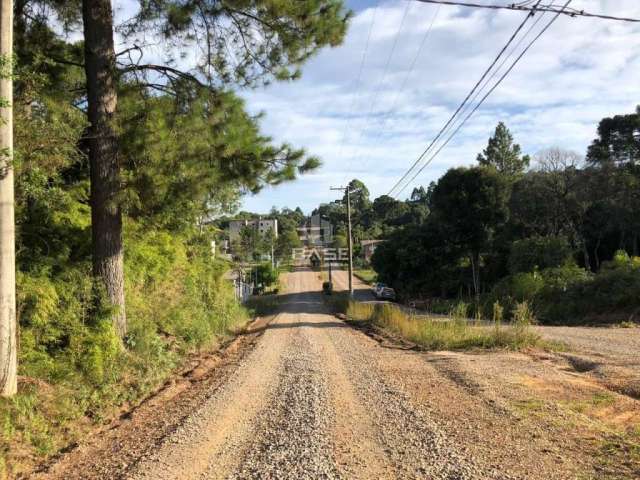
[376,289]
[387,293]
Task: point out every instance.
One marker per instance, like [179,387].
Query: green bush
[516,288]
[71,362]
[572,295]
[267,275]
[539,253]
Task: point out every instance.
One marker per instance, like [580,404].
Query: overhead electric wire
[409,70]
[359,76]
[572,12]
[546,27]
[464,102]
[494,73]
[384,74]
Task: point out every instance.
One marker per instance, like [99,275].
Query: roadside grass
[597,400]
[456,333]
[614,448]
[366,275]
[621,448]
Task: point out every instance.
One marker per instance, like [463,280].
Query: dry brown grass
[454,333]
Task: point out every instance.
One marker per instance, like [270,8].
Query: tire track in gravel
[293,436]
[413,442]
[314,400]
[218,432]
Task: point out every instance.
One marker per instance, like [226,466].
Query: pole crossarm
[571,12]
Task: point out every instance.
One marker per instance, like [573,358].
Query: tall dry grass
[453,333]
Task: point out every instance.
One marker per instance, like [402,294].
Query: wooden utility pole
[349,239]
[8,327]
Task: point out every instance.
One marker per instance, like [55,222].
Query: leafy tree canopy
[618,141]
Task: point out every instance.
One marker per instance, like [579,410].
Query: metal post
[350,243]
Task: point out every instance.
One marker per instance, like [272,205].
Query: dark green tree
[504,155]
[471,206]
[618,141]
[242,43]
[360,202]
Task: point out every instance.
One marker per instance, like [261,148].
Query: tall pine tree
[503,154]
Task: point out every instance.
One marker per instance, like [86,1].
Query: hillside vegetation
[556,229]
[120,168]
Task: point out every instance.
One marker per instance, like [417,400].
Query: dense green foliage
[529,254]
[547,236]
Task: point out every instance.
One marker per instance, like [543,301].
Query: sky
[373,126]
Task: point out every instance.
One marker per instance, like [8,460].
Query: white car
[377,289]
[387,293]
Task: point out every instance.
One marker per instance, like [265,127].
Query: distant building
[316,231]
[368,247]
[263,225]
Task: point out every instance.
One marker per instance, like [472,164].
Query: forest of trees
[119,158]
[560,231]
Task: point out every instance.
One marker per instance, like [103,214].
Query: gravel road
[311,401]
[307,396]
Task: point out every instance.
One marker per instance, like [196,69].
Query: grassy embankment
[75,374]
[366,275]
[456,333]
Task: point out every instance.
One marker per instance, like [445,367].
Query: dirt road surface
[314,398]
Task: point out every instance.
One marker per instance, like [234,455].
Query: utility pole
[349,240]
[273,260]
[8,327]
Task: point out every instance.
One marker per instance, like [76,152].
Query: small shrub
[522,315]
[460,311]
[539,253]
[498,313]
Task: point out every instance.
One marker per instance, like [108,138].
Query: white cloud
[580,71]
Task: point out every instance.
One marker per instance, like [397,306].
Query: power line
[409,71]
[359,76]
[572,12]
[546,27]
[495,72]
[384,73]
[464,102]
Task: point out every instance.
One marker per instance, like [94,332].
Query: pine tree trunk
[106,216]
[8,327]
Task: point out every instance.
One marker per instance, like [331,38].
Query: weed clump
[456,332]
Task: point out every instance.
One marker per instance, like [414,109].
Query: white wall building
[316,231]
[263,225]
